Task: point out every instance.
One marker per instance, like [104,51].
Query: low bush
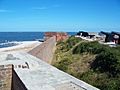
[69,43]
[63,64]
[103,69]
[89,47]
[100,80]
[108,61]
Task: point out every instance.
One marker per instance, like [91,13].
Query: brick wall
[45,50]
[5,77]
[9,80]
[59,35]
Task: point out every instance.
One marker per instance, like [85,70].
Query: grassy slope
[79,63]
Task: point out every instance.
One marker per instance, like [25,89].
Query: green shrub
[100,80]
[103,71]
[89,47]
[63,64]
[117,48]
[108,61]
[69,43]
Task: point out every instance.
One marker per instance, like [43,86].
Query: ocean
[8,39]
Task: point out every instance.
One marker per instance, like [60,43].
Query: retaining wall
[45,50]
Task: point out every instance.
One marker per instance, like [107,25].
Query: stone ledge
[6,66]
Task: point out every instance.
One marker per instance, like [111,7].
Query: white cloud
[44,8]
[40,8]
[4,10]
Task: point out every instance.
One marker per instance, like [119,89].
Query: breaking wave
[9,43]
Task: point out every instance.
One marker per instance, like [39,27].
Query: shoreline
[21,46]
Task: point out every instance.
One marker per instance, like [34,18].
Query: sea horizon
[8,39]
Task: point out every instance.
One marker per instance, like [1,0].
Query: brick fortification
[58,35]
[9,80]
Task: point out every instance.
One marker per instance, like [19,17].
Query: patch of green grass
[94,63]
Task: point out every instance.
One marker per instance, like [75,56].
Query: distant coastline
[8,39]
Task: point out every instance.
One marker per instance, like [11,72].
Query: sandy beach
[22,46]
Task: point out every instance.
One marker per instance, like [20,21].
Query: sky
[59,15]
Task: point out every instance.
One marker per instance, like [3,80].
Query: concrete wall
[5,77]
[17,84]
[45,50]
